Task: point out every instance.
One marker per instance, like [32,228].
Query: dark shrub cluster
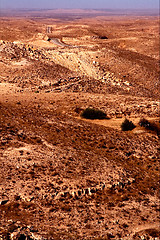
[149,125]
[103,37]
[91,113]
[153,232]
[127,125]
[146,124]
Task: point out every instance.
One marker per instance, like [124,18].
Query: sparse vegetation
[103,37]
[149,125]
[153,232]
[91,113]
[145,123]
[127,125]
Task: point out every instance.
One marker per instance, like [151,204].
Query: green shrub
[91,113]
[127,125]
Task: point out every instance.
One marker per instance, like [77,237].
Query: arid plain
[63,176]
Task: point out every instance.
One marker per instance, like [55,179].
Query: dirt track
[58,42]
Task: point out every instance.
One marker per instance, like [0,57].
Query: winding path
[60,43]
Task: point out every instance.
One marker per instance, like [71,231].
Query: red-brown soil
[64,177]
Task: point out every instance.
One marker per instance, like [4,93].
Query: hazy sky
[79,4]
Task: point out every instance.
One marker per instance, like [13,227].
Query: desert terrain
[63,176]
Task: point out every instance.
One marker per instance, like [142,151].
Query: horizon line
[102,9]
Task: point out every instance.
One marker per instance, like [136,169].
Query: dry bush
[152,126]
[91,113]
[127,125]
